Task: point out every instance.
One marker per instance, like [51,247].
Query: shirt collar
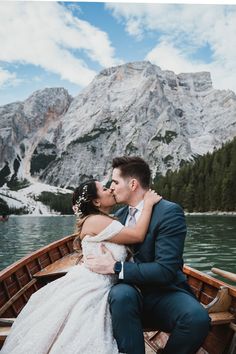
[139,206]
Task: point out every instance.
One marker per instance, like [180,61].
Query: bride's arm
[128,235]
[136,234]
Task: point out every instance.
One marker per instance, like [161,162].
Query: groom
[152,291]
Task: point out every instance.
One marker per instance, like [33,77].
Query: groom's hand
[102,264]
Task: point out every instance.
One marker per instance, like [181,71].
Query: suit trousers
[174,310]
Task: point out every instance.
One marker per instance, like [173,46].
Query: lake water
[211,240]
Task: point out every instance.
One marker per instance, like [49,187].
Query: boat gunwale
[34,255]
[217,283]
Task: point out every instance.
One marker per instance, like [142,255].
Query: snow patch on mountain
[25,198]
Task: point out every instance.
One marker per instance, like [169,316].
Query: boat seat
[59,267]
[218,318]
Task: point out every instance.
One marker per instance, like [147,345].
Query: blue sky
[65,44]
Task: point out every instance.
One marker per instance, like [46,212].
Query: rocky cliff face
[28,128]
[131,109]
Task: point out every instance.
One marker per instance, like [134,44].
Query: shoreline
[38,215]
[206,213]
[212,213]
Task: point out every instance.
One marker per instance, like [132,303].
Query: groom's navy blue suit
[154,292]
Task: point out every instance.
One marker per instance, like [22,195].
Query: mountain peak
[134,108]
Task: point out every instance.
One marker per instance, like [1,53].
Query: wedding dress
[70,315]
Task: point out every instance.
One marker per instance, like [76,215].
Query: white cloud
[37,78]
[7,78]
[169,57]
[181,31]
[46,34]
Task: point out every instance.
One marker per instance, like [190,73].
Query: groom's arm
[170,235]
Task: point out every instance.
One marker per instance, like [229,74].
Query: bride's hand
[151,197]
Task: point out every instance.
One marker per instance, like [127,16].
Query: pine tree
[208,183]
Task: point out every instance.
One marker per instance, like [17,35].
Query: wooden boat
[4,218]
[20,280]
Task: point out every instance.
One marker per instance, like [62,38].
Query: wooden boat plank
[6,321]
[16,296]
[4,331]
[221,317]
[216,283]
[60,266]
[218,339]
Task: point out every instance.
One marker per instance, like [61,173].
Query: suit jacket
[158,260]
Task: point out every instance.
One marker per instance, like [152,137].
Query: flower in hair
[83,198]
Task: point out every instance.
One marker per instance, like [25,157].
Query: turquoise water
[21,235]
[211,240]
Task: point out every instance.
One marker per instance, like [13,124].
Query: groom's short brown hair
[133,166]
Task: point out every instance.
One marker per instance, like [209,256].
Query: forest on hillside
[208,183]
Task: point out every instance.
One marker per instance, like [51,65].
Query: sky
[66,44]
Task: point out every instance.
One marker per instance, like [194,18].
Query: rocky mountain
[135,108]
[23,128]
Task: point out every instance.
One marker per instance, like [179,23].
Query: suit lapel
[123,216]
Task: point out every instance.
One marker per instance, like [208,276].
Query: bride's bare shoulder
[95,224]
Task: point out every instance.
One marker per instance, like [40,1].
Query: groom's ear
[133,184]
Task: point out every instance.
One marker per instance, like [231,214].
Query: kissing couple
[131,278]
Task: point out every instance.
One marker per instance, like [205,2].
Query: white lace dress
[70,315]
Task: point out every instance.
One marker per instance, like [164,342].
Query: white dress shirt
[139,207]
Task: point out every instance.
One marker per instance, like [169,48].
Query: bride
[71,315]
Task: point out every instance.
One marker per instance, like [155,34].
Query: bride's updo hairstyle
[83,198]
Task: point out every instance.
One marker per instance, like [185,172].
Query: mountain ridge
[132,109]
